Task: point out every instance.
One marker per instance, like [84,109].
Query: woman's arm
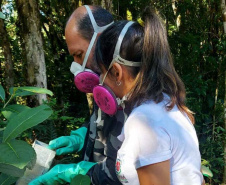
[155,174]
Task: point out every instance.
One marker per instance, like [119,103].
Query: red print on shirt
[121,177]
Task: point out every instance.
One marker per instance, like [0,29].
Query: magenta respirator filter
[105,99]
[85,81]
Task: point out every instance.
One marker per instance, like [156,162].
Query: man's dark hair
[102,18]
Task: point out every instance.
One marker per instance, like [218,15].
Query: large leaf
[16,92]
[206,171]
[2,93]
[1,134]
[7,180]
[81,180]
[11,170]
[15,156]
[25,120]
[2,16]
[21,90]
[37,90]
[13,110]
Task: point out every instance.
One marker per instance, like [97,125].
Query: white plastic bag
[44,160]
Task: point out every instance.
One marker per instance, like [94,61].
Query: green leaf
[2,16]
[11,170]
[1,135]
[25,120]
[81,180]
[206,171]
[15,156]
[204,162]
[7,180]
[13,110]
[36,90]
[21,93]
[2,93]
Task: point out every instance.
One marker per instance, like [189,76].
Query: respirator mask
[103,95]
[85,79]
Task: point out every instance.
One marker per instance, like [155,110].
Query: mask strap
[122,61]
[104,77]
[122,104]
[97,29]
[89,50]
[120,39]
[99,117]
[116,55]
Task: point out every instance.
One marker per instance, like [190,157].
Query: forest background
[33,52]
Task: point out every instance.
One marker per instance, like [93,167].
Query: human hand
[62,173]
[69,144]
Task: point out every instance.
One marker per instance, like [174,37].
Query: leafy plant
[205,169]
[17,155]
[2,16]
[81,180]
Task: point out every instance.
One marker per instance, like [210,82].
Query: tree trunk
[224,14]
[96,2]
[32,43]
[8,65]
[108,5]
[224,175]
[87,2]
[178,17]
[224,24]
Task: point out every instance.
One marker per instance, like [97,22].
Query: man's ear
[117,71]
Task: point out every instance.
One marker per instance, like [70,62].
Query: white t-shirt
[152,134]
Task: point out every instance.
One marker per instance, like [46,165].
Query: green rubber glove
[69,144]
[62,173]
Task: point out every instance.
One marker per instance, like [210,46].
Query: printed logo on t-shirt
[118,166]
[121,177]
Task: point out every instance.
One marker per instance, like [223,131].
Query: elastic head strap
[116,55]
[122,61]
[120,39]
[97,29]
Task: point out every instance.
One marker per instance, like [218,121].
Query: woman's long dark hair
[149,45]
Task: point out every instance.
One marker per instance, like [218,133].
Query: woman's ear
[117,71]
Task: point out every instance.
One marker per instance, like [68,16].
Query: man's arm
[104,150]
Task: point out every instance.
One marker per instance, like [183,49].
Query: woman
[160,145]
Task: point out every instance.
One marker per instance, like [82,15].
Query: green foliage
[58,124]
[2,93]
[17,155]
[2,16]
[206,172]
[81,180]
[20,91]
[7,179]
[24,120]
[13,110]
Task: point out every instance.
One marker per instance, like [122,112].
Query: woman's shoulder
[146,113]
[150,107]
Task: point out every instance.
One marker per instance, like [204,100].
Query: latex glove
[69,144]
[62,173]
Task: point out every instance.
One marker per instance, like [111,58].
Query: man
[82,28]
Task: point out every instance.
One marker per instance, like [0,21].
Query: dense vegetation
[198,44]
